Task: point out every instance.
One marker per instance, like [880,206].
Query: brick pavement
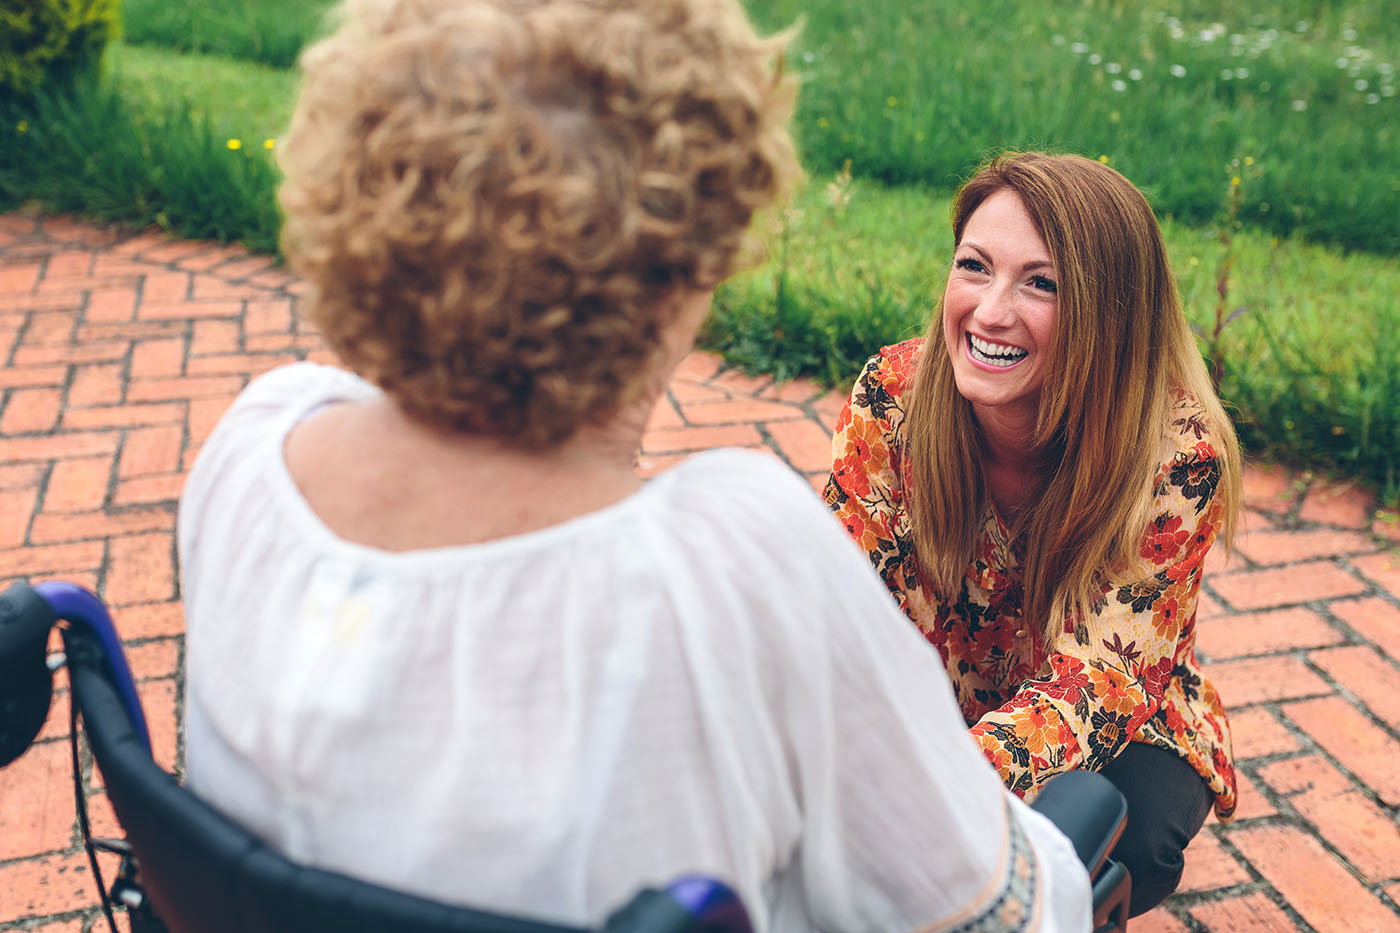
[120,351]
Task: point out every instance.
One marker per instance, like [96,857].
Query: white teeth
[994,354]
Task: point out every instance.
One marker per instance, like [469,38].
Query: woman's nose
[996,307]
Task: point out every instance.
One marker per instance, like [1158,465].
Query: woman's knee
[1167,804]
[1155,861]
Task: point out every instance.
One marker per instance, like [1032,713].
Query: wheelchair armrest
[1089,810]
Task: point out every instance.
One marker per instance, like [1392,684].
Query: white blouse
[706,677]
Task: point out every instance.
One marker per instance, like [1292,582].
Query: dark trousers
[1167,803]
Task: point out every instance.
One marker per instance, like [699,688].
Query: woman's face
[999,309]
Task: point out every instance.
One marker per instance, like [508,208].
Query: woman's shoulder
[894,366]
[1190,470]
[300,386]
[742,499]
[250,432]
[1190,432]
[880,389]
[733,482]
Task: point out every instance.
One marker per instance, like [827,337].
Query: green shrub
[51,43]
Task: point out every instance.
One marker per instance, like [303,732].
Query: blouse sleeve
[865,489]
[1109,667]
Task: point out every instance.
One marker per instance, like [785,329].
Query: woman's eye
[1044,284]
[971,265]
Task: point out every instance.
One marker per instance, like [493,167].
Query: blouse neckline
[308,524]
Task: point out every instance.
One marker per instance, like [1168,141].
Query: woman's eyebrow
[1033,264]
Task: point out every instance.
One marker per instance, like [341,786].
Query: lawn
[901,99]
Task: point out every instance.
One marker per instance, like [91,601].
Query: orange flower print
[1166,618]
[843,419]
[1035,729]
[1164,539]
[1115,699]
[1070,679]
[850,474]
[863,531]
[1156,677]
[861,437]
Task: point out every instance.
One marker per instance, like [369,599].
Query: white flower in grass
[1300,26]
[1113,68]
[1178,71]
[808,57]
[1135,74]
[1387,90]
[1299,105]
[1095,58]
[1348,33]
[1206,35]
[1119,85]
[1342,62]
[1386,69]
[1226,75]
[1373,98]
[1079,48]
[1361,84]
[1058,39]
[1241,73]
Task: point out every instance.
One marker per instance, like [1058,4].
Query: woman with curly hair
[1038,480]
[440,635]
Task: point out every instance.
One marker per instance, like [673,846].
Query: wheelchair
[184,868]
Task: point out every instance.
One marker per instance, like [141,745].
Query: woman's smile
[990,353]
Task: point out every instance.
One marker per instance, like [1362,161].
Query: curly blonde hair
[492,200]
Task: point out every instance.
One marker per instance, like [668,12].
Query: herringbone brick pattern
[120,352]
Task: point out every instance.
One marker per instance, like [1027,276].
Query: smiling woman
[1039,491]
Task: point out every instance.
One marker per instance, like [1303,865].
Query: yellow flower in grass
[1103,159]
[22,126]
[235,144]
[269,143]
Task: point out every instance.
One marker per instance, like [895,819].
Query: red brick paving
[120,351]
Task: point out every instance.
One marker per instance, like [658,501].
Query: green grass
[97,154]
[241,100]
[914,94]
[268,31]
[922,90]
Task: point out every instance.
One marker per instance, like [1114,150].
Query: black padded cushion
[1089,810]
[26,684]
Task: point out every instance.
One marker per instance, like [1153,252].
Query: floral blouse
[1126,671]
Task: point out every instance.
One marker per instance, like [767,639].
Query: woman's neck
[377,477]
[1011,463]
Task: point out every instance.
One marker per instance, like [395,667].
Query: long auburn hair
[1121,344]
